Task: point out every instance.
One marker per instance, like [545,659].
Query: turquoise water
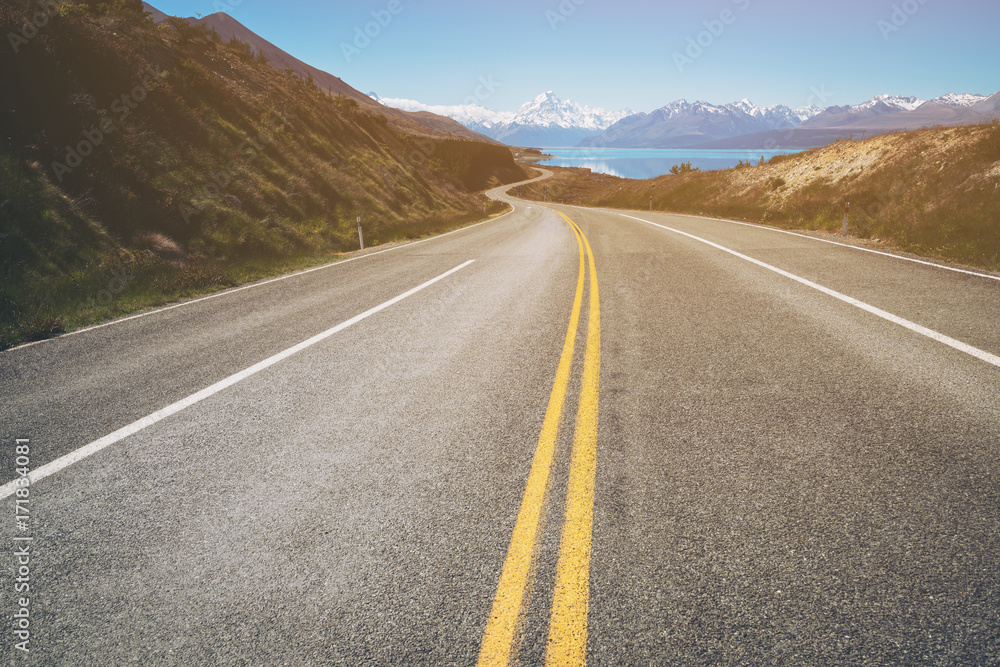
[651,162]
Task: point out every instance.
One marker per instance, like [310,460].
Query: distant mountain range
[887,112]
[878,115]
[544,121]
[548,121]
[682,124]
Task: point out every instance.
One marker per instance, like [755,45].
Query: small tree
[683,168]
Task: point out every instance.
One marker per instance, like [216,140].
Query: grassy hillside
[141,163]
[935,191]
[422,122]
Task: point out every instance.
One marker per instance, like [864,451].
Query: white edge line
[97,445]
[766,228]
[234,290]
[848,245]
[912,326]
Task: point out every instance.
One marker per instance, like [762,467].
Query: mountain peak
[544,121]
[959,99]
[892,101]
[547,96]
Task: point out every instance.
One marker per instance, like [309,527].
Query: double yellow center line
[567,640]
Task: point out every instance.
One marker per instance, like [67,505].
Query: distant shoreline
[644,163]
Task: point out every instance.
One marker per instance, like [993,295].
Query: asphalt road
[780,475]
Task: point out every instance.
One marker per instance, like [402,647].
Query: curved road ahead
[745,447]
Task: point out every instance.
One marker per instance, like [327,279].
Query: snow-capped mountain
[882,113]
[893,102]
[547,110]
[990,106]
[544,121]
[960,100]
[880,105]
[778,114]
[472,116]
[548,121]
[682,123]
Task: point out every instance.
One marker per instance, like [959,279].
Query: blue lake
[652,162]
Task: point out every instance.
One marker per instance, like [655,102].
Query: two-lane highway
[774,474]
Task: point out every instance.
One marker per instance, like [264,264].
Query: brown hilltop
[229,28]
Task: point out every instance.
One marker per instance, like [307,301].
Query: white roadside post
[361,238]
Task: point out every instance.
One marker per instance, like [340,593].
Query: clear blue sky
[636,53]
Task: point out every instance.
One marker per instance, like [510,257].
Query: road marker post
[361,238]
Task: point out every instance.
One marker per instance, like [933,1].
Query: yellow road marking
[501,629]
[567,644]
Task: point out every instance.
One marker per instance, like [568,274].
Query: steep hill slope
[934,191]
[229,28]
[181,160]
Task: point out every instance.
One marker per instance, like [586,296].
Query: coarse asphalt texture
[781,478]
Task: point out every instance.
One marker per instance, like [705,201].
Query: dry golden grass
[934,191]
